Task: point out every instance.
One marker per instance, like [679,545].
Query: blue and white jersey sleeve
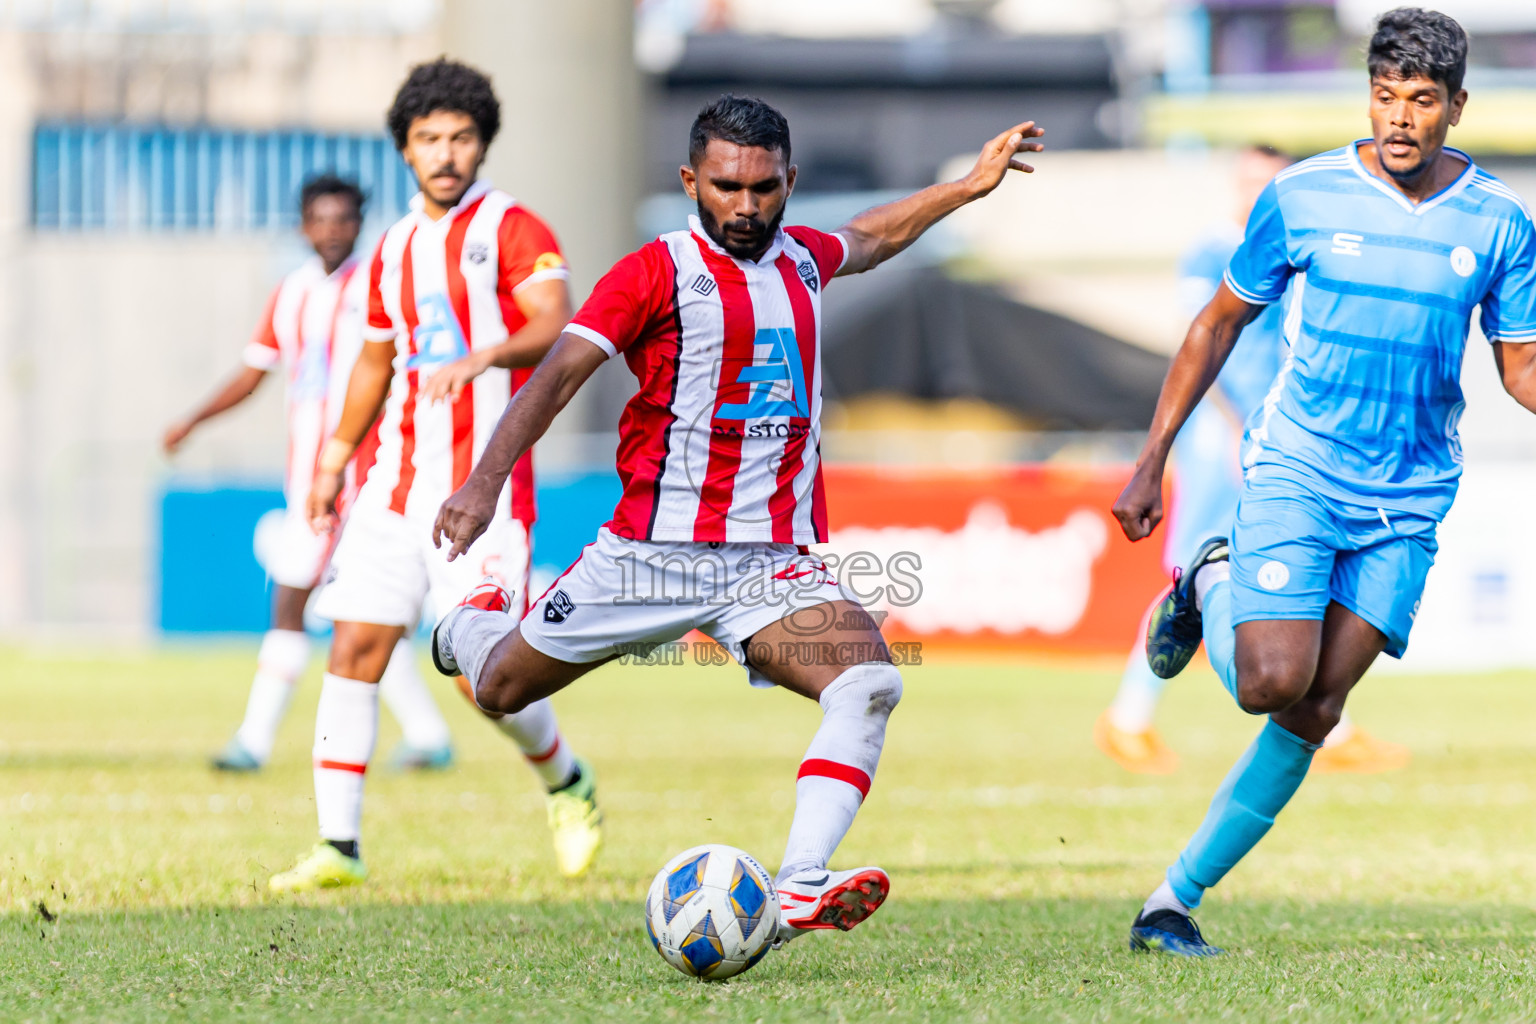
[1509,308]
[1261,268]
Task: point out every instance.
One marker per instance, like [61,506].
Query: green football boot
[324,868]
[576,822]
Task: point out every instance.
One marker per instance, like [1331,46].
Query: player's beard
[761,233]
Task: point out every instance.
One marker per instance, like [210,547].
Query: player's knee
[498,691]
[1267,685]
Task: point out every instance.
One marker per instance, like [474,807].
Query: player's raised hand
[1140,506]
[448,381]
[465,515]
[320,506]
[1001,155]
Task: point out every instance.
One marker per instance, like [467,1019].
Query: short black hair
[1410,42]
[744,120]
[328,184]
[444,84]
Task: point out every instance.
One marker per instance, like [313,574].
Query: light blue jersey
[1366,404]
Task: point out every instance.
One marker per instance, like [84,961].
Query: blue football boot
[1168,931]
[1174,630]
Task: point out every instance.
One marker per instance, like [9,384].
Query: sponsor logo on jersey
[774,383]
[439,338]
[704,285]
[548,261]
[559,607]
[1345,244]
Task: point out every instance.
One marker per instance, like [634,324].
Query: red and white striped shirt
[723,440]
[440,289]
[311,327]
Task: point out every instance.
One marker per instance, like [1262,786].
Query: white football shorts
[622,596]
[385,570]
[291,553]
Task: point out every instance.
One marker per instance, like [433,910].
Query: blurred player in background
[719,456]
[312,328]
[465,293]
[1207,480]
[1388,244]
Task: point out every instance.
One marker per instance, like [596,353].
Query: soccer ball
[712,912]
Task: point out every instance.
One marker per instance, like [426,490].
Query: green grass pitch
[1018,856]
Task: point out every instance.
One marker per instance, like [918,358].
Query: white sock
[1140,690]
[406,695]
[839,765]
[283,656]
[346,726]
[1162,898]
[537,735]
[472,632]
[1341,732]
[1207,577]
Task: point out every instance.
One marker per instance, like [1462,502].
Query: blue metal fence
[121,177]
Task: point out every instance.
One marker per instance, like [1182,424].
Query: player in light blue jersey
[1206,483]
[1388,245]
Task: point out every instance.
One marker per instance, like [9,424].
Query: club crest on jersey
[807,271]
[439,338]
[775,381]
[559,607]
[477,252]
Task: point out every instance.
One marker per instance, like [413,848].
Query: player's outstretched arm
[468,511]
[366,390]
[546,305]
[1517,369]
[1206,347]
[876,235]
[236,390]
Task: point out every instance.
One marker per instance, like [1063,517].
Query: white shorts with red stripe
[385,570]
[622,596]
[292,553]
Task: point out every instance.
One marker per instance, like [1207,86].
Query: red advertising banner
[1025,556]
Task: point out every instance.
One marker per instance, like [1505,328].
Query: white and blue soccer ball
[712,912]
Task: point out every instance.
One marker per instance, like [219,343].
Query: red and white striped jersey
[441,289]
[723,440]
[312,327]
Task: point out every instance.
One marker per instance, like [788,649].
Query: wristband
[335,455]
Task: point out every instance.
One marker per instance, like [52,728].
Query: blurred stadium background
[147,204]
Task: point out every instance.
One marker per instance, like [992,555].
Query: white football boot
[817,899]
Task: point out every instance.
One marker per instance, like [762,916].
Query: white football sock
[1207,577]
[839,765]
[1341,732]
[472,633]
[283,656]
[346,726]
[1140,689]
[1162,898]
[406,695]
[537,735]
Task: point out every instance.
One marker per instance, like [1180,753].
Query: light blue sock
[1254,791]
[1220,634]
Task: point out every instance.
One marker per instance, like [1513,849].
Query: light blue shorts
[1294,551]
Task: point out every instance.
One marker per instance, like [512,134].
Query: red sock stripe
[342,766]
[832,770]
[541,758]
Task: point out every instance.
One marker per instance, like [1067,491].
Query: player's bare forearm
[547,307]
[1517,369]
[467,512]
[876,235]
[366,390]
[1194,368]
[235,390]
